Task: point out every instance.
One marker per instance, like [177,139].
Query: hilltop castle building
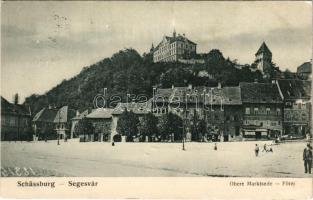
[171,49]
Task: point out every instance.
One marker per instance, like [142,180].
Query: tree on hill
[127,125]
[176,76]
[127,72]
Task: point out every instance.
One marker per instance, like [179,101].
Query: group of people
[265,148]
[307,155]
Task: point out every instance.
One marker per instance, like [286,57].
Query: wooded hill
[129,72]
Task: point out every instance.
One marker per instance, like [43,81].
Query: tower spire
[152,48]
[174,33]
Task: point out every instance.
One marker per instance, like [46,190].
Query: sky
[43,43]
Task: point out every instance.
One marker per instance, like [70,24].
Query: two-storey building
[297,107]
[262,110]
[219,107]
[15,121]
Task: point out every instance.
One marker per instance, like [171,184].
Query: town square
[156,89]
[235,159]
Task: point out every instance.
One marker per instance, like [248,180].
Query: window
[268,111]
[278,111]
[299,105]
[256,110]
[248,111]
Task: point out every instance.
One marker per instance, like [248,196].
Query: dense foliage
[84,129]
[170,127]
[198,128]
[128,72]
[127,125]
[148,126]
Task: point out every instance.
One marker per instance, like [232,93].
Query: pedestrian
[215,147]
[307,158]
[256,150]
[113,144]
[264,148]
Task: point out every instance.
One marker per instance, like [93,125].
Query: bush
[117,138]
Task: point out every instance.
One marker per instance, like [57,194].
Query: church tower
[263,59]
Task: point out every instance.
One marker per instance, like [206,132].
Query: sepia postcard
[156,99]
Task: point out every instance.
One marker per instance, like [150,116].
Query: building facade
[75,120]
[101,119]
[43,124]
[304,71]
[262,106]
[219,107]
[171,49]
[63,121]
[140,109]
[52,123]
[15,122]
[297,107]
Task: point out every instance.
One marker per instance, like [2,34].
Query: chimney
[174,34]
[184,35]
[173,86]
[77,112]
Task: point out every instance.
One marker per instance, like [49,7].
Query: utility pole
[185,123]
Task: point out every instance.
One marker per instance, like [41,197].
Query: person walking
[215,147]
[256,150]
[307,158]
[264,148]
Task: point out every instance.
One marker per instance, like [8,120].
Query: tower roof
[263,49]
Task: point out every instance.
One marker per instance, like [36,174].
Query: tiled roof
[260,93]
[10,108]
[295,89]
[61,116]
[263,49]
[305,68]
[137,108]
[174,39]
[54,115]
[225,95]
[100,113]
[45,115]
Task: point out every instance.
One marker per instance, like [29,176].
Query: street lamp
[58,129]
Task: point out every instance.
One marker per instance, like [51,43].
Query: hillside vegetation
[129,72]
